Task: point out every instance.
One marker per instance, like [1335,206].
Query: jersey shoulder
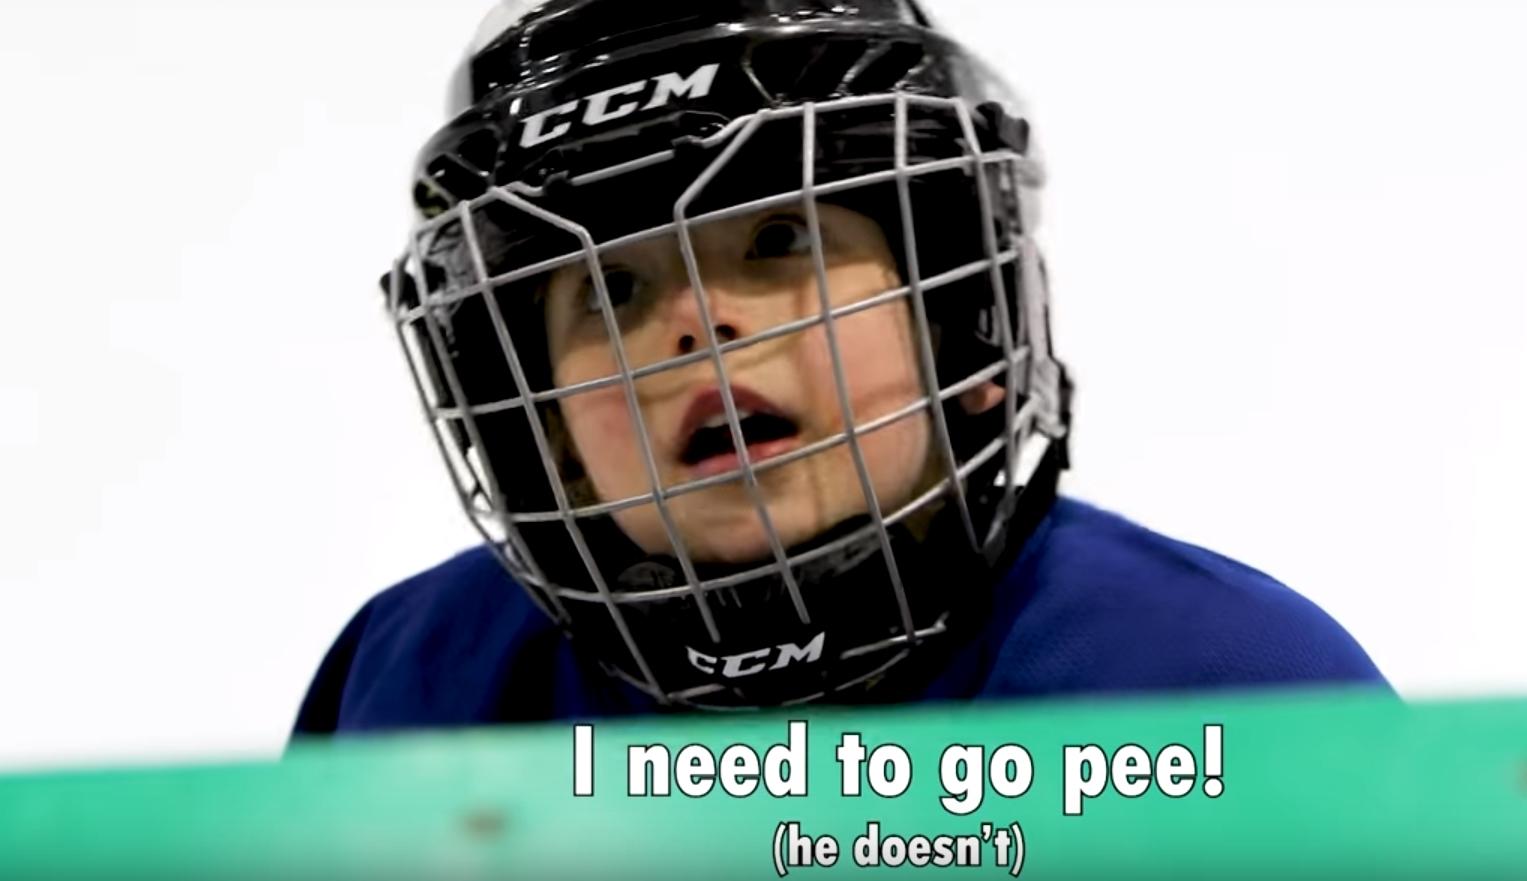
[1110,606]
[459,644]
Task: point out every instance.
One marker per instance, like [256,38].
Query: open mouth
[711,448]
[758,430]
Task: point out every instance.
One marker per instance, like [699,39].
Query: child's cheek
[875,346]
[879,361]
[600,423]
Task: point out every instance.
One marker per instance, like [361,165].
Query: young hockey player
[730,322]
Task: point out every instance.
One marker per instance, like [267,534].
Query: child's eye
[623,285]
[781,237]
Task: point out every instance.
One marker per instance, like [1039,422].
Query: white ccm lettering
[671,85]
[601,107]
[599,111]
[753,663]
[534,134]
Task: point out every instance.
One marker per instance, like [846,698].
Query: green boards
[1338,784]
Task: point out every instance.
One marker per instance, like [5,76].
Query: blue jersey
[1094,604]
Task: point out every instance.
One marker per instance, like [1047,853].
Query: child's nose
[725,333]
[688,320]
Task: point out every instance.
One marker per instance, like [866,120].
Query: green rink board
[1316,785]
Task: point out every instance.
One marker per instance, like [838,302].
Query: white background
[1288,249]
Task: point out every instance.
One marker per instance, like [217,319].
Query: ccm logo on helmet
[753,663]
[612,104]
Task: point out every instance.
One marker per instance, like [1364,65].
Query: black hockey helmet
[581,126]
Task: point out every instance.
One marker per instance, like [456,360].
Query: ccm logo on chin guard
[753,663]
[616,103]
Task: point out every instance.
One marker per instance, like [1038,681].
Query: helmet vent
[479,150]
[606,25]
[805,69]
[885,71]
[455,178]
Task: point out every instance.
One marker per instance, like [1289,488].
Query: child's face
[758,274]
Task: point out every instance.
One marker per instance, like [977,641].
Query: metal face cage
[809,620]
